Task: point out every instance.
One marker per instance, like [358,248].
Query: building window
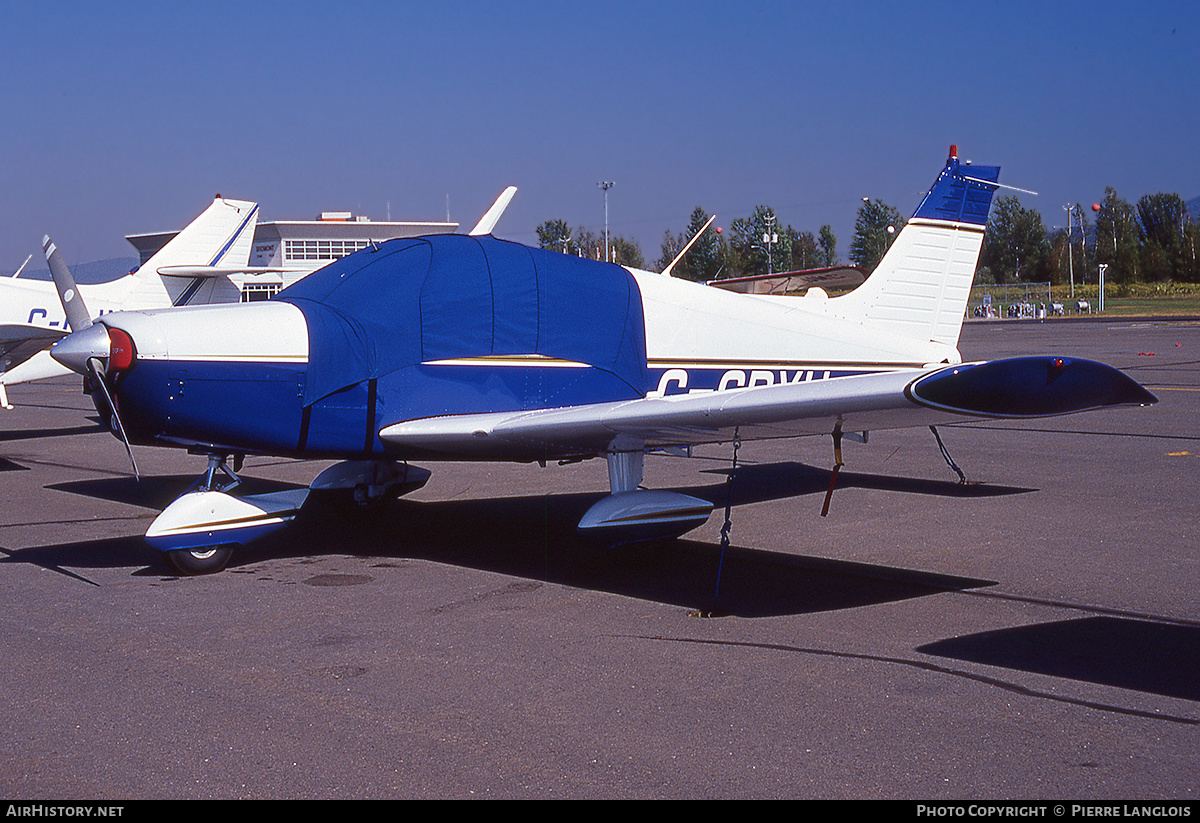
[321,249]
[253,292]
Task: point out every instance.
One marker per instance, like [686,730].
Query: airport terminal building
[300,247]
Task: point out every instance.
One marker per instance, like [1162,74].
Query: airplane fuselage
[36,302]
[193,384]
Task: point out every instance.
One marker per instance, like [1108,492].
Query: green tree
[626,253]
[1071,257]
[827,243]
[703,260]
[1191,240]
[556,236]
[1015,244]
[805,252]
[672,244]
[753,255]
[1161,225]
[1116,240]
[1062,265]
[874,230]
[589,243]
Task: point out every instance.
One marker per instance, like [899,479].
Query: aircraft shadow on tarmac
[30,434]
[68,431]
[775,481]
[536,538]
[1141,655]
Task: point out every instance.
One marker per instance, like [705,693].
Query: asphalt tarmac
[1034,634]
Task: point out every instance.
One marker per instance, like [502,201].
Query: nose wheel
[200,530]
[200,560]
[208,559]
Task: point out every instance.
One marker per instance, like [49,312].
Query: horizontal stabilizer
[219,271]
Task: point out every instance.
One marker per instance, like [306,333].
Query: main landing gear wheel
[201,559]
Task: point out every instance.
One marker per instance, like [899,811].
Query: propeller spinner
[78,349]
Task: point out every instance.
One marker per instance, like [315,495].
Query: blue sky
[123,117]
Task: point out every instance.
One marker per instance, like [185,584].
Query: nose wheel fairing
[204,518]
[201,527]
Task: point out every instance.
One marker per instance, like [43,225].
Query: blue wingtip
[1028,387]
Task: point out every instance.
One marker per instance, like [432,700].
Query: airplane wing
[19,342]
[1016,388]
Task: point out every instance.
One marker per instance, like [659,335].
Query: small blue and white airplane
[459,347]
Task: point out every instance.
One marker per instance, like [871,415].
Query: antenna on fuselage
[678,257]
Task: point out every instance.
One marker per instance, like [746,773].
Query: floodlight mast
[606,185]
[770,238]
[1071,262]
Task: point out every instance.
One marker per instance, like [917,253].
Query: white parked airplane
[33,313]
[460,347]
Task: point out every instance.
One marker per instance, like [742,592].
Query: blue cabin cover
[441,297]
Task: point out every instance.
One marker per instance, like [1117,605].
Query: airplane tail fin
[220,236]
[921,287]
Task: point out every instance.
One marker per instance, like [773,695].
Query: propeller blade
[95,368]
[72,303]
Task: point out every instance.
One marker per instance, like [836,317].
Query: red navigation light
[121,354]
[954,151]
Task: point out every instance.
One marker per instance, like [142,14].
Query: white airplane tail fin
[921,287]
[220,237]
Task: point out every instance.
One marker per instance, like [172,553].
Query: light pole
[770,238]
[1070,256]
[606,185]
[1103,269]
